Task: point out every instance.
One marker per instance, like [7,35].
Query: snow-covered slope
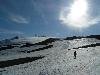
[22,40]
[52,56]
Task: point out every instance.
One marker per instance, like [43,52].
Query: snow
[31,39]
[58,59]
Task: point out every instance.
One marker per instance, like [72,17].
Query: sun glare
[78,9]
[77,15]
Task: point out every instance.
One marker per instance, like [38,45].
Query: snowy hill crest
[50,56]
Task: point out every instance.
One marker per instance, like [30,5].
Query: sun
[77,15]
[78,9]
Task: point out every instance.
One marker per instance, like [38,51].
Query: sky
[57,18]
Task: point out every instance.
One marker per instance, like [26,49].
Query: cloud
[18,19]
[78,15]
[83,23]
[5,34]
[4,31]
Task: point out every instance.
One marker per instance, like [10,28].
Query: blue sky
[29,17]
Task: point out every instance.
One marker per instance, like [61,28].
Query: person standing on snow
[75,55]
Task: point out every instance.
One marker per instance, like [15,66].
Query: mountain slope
[58,57]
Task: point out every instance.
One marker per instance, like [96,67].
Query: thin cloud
[87,22]
[78,15]
[18,19]
[94,21]
[4,31]
[5,34]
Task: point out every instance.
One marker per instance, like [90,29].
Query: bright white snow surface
[58,60]
[30,39]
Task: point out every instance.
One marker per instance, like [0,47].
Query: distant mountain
[16,37]
[79,37]
[20,40]
[8,41]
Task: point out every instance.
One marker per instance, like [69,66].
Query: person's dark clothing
[75,55]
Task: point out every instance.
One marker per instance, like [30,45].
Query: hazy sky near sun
[49,17]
